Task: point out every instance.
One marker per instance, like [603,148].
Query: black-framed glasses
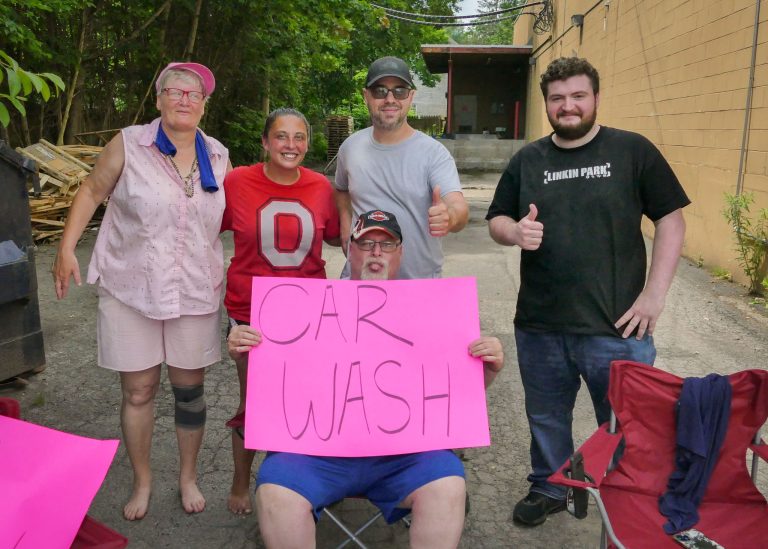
[386,246]
[175,94]
[381,92]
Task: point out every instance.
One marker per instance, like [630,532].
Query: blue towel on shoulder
[207,179]
[703,411]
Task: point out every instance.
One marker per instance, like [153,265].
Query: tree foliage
[302,54]
[499,33]
[21,84]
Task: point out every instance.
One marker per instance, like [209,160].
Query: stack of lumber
[338,128]
[61,170]
[85,153]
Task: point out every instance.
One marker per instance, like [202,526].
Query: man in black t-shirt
[573,201]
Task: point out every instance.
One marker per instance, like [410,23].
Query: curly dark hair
[566,67]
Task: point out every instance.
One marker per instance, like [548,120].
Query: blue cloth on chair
[703,411]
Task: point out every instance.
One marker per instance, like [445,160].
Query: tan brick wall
[676,71]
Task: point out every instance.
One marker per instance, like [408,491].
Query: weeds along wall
[678,72]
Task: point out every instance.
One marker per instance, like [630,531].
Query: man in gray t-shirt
[392,166]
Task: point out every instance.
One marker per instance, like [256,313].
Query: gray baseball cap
[388,66]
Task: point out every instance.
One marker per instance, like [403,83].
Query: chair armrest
[10,407]
[597,452]
[760,449]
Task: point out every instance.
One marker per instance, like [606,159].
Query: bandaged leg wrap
[190,406]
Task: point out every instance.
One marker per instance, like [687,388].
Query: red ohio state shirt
[278,230]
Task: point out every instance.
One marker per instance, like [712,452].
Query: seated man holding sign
[294,488]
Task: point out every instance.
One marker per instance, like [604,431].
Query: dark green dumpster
[21,337]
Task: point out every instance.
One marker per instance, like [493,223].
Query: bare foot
[192,499]
[137,506]
[239,502]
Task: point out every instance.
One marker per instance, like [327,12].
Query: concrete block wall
[476,152]
[676,71]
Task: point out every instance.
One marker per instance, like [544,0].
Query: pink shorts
[130,342]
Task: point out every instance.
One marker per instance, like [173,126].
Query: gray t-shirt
[399,179]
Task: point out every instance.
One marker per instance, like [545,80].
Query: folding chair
[732,513]
[353,534]
[92,533]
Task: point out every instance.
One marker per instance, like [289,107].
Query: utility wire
[467,24]
[431,16]
[542,23]
[545,19]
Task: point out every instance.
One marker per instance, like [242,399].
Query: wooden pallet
[338,128]
[61,171]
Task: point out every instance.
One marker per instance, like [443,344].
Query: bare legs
[285,518]
[239,501]
[137,416]
[189,445]
[137,421]
[438,513]
[286,522]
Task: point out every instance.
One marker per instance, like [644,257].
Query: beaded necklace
[189,188]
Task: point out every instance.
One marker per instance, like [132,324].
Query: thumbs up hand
[529,231]
[439,218]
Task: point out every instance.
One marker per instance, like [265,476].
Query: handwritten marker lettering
[365,318]
[334,314]
[364,368]
[393,396]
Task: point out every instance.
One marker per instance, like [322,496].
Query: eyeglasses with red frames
[176,94]
[381,92]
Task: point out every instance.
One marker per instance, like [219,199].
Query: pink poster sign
[362,368]
[47,481]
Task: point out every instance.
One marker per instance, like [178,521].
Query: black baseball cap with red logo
[377,219]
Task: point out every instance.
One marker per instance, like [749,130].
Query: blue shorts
[385,480]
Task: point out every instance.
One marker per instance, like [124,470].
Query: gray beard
[366,274]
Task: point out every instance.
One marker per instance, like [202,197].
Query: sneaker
[533,509]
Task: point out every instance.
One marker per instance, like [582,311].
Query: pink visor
[205,74]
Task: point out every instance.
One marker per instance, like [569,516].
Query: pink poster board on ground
[47,481]
[362,368]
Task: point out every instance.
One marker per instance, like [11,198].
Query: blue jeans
[552,365]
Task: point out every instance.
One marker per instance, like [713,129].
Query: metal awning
[436,56]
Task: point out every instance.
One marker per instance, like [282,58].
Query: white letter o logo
[269,228]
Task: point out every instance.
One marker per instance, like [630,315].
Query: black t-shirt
[591,264]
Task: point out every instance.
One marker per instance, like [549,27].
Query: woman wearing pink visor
[158,266]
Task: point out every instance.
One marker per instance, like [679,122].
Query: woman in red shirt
[280,214]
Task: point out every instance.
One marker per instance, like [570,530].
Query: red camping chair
[92,534]
[732,512]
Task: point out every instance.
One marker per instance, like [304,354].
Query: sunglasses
[381,92]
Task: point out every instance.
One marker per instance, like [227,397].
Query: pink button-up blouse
[158,251]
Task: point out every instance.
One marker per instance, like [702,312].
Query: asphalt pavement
[706,327]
